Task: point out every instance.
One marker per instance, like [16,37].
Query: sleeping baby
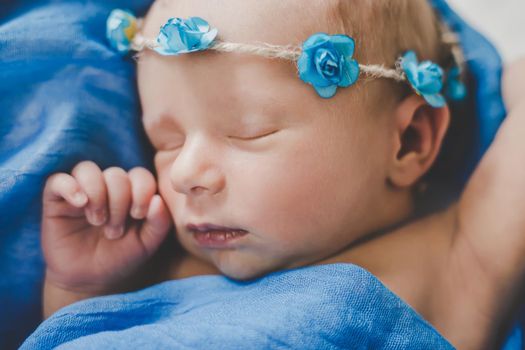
[288,135]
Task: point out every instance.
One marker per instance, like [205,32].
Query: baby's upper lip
[205,227]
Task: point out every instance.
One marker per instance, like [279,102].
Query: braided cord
[289,52]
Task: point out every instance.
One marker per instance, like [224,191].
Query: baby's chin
[242,266]
[243,273]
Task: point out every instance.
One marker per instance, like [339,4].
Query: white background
[502,21]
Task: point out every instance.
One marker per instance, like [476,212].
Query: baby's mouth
[214,236]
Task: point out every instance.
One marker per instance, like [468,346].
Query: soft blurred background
[501,21]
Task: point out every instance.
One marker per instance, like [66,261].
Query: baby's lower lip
[217,239]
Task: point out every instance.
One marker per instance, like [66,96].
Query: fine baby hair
[324,61]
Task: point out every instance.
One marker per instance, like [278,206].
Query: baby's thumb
[156,226]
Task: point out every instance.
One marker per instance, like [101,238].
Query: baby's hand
[89,241]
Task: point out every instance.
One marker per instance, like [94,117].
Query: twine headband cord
[324,61]
[289,52]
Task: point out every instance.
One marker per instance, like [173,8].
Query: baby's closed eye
[254,136]
[173,142]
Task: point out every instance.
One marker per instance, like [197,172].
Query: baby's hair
[384,29]
[400,25]
[387,27]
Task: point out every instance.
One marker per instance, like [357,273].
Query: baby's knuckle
[85,170]
[139,173]
[115,172]
[57,180]
[84,165]
[52,179]
[138,170]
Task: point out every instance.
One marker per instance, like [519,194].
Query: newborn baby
[272,156]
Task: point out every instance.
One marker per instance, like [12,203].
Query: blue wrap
[484,104]
[65,96]
[340,306]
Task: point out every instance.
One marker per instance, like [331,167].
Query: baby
[261,170]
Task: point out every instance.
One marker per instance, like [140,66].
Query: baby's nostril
[198,189]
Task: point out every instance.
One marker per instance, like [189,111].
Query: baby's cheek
[303,201]
[164,185]
[287,202]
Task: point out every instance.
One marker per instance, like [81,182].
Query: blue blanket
[65,96]
[340,306]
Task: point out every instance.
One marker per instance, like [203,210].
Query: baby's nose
[195,172]
[197,183]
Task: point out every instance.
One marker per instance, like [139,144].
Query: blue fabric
[484,103]
[514,340]
[65,96]
[340,306]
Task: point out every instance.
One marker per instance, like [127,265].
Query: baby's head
[243,143]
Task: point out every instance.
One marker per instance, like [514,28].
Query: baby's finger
[90,179]
[60,187]
[157,225]
[119,201]
[143,187]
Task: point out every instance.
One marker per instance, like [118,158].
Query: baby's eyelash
[254,137]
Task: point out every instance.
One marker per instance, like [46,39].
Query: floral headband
[324,61]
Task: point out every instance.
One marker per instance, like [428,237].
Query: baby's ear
[418,133]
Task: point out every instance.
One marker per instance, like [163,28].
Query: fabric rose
[121,27]
[179,36]
[426,79]
[455,89]
[326,63]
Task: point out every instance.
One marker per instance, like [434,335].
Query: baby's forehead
[220,86]
[277,22]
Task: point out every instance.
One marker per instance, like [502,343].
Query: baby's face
[243,143]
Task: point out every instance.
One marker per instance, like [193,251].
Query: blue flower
[426,79]
[455,89]
[326,63]
[121,27]
[179,36]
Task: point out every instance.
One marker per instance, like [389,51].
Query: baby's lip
[211,236]
[206,227]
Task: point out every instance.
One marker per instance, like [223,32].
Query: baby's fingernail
[137,212]
[98,217]
[113,232]
[90,216]
[153,206]
[80,198]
